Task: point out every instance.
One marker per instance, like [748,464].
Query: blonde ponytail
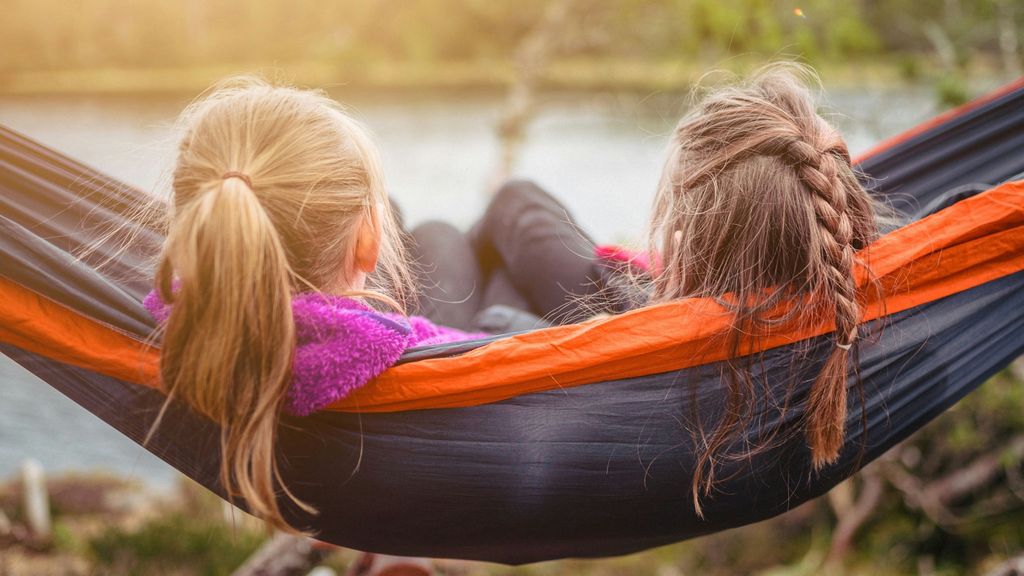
[227,347]
[270,187]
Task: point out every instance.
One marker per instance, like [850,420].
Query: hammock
[568,441]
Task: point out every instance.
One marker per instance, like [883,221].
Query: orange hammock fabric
[966,245]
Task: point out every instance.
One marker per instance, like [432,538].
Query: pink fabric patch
[636,260]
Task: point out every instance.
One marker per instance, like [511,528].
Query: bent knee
[518,192]
[434,229]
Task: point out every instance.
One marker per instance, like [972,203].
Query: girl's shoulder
[340,345]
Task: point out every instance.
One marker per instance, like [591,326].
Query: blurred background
[579,95]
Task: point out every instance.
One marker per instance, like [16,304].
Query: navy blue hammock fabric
[594,470]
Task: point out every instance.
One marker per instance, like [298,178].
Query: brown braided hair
[759,207]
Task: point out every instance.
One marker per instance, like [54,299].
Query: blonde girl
[278,218]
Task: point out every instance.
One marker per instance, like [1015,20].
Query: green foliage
[52,34]
[850,36]
[174,544]
[951,90]
[909,68]
[64,538]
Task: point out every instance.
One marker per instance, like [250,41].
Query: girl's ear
[368,241]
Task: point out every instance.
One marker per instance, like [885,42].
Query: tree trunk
[1008,42]
[531,57]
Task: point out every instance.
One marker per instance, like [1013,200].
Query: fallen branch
[283,555]
[1012,567]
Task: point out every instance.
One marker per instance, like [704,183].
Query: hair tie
[844,346]
[239,175]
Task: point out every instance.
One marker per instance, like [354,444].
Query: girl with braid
[759,207]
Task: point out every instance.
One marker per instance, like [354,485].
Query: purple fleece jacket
[341,344]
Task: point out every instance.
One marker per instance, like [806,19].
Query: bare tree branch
[978,473]
[1008,42]
[532,57]
[944,47]
[934,499]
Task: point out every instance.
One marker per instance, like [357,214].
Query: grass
[177,543]
[191,536]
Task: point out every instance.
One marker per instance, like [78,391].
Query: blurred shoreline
[575,74]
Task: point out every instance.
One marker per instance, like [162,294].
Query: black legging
[526,253]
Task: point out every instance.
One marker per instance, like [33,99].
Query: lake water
[599,153]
